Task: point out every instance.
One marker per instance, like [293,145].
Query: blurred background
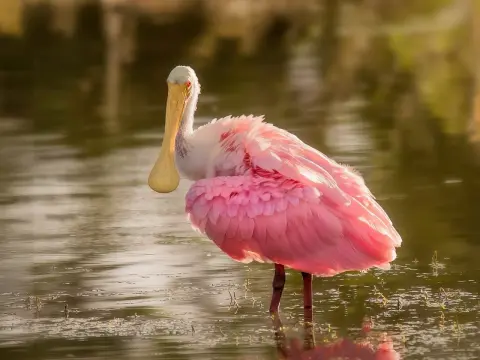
[93,264]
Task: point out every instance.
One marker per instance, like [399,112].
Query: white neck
[186,124]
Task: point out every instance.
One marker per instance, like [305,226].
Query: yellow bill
[164,177]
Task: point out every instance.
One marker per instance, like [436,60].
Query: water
[96,265]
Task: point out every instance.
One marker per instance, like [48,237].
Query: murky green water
[93,264]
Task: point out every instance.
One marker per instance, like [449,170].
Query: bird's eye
[188,83]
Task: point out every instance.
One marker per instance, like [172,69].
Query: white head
[184,75]
[183,89]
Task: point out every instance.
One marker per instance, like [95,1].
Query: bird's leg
[308,310]
[280,338]
[278,284]
[307,296]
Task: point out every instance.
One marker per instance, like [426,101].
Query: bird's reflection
[342,348]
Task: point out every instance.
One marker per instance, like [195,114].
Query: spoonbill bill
[260,193]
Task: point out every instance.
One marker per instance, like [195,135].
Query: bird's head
[183,85]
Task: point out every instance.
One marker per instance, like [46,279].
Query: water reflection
[340,349]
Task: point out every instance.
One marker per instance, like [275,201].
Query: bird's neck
[186,125]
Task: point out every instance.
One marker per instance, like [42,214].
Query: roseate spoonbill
[262,194]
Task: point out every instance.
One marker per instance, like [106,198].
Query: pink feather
[285,202]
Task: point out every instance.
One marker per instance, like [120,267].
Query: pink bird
[260,193]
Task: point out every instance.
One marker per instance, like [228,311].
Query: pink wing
[289,204]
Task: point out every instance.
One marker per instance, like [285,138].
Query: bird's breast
[193,165]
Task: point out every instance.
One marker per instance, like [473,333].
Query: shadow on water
[94,265]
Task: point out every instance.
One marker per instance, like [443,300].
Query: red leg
[307,296]
[278,284]
[308,310]
[280,338]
